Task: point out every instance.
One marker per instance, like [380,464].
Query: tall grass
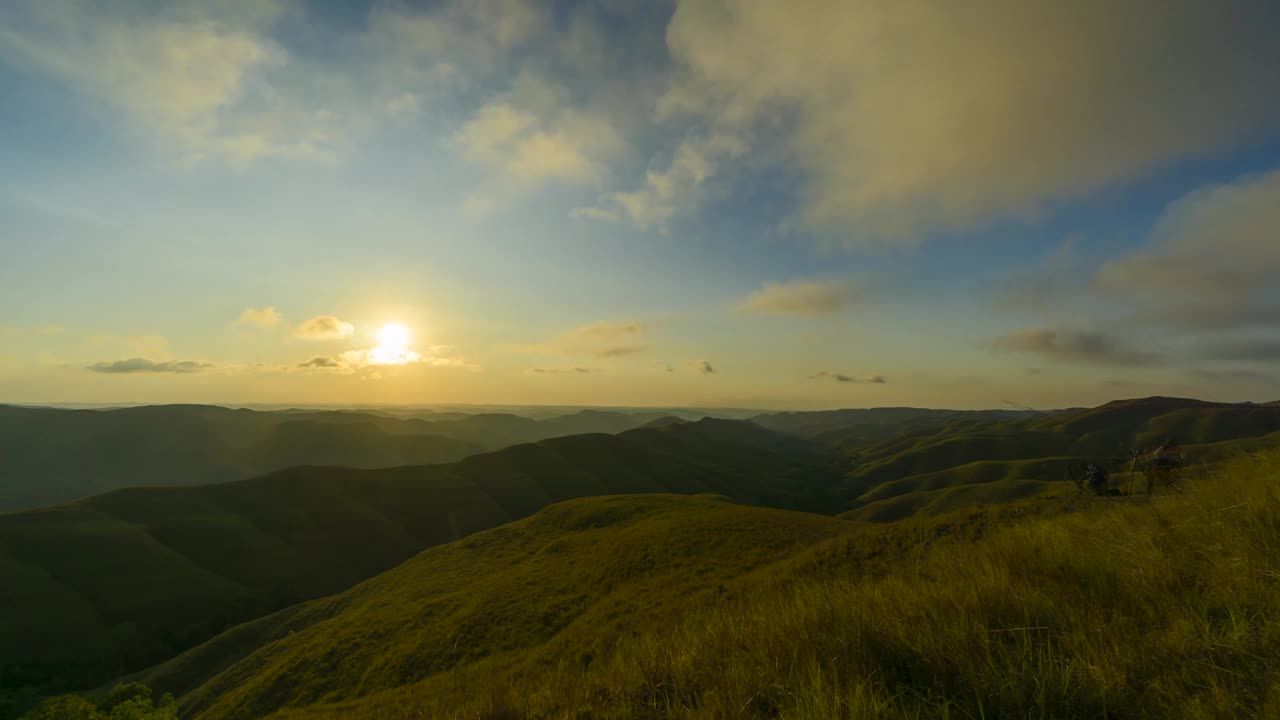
[1162,609]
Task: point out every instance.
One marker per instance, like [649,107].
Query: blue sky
[821,204]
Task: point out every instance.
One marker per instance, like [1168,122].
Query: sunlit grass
[1167,609]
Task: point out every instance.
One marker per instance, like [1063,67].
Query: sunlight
[393,346]
[393,336]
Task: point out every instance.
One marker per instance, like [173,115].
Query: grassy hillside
[562,581]
[1105,608]
[1043,448]
[124,580]
[53,456]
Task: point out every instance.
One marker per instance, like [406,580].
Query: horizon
[693,204]
[511,408]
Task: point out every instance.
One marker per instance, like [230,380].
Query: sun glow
[393,346]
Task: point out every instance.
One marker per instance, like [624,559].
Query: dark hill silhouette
[172,566]
[55,456]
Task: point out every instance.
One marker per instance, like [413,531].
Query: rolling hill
[173,567]
[558,584]
[639,607]
[123,580]
[55,456]
[1017,456]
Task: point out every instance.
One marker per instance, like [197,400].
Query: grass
[186,563]
[119,582]
[1166,609]
[564,583]
[1102,609]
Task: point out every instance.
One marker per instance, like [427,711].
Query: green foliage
[64,707]
[125,702]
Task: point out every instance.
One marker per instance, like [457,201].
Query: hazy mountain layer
[53,456]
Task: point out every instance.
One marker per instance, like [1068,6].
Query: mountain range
[313,587]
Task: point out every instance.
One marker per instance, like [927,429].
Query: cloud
[803,298]
[1212,263]
[265,317]
[910,116]
[620,351]
[142,365]
[603,339]
[842,378]
[320,362]
[437,356]
[1211,316]
[1074,347]
[195,76]
[704,367]
[482,32]
[671,191]
[1260,350]
[562,371]
[620,328]
[324,327]
[525,148]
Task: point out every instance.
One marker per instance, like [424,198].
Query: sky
[811,204]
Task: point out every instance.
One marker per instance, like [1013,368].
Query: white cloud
[525,149]
[802,298]
[265,317]
[1217,243]
[916,115]
[324,327]
[672,190]
[195,76]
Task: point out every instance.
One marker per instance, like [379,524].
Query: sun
[393,346]
[393,337]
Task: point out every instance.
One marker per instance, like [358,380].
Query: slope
[562,582]
[126,579]
[1013,454]
[1111,609]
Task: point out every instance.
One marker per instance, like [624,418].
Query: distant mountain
[834,423]
[123,580]
[52,456]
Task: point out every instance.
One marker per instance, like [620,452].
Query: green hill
[117,582]
[1046,447]
[558,584]
[53,456]
[123,580]
[690,607]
